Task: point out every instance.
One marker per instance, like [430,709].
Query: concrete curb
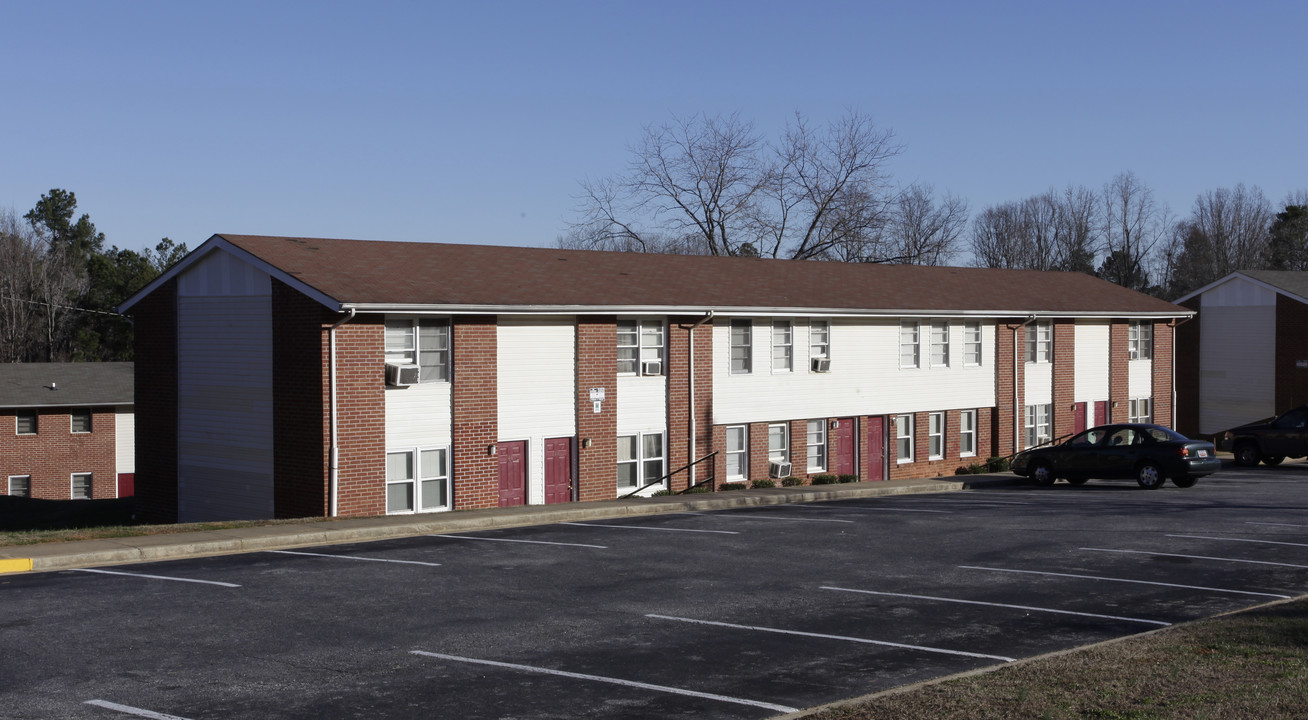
[205,543]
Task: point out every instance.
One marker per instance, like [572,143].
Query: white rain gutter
[691,457]
[332,452]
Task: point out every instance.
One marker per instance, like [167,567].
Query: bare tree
[711,185]
[1000,238]
[1227,231]
[922,230]
[1134,225]
[20,267]
[1078,236]
[1050,231]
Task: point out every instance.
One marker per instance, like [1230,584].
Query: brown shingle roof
[65,384]
[357,272]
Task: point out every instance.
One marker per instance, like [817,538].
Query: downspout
[691,410]
[1174,326]
[1018,417]
[332,452]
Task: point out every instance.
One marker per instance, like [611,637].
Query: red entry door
[558,470]
[876,448]
[846,453]
[1101,412]
[513,472]
[1078,417]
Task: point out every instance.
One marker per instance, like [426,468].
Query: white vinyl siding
[1090,342]
[1140,378]
[1038,383]
[1237,350]
[865,379]
[124,441]
[224,392]
[536,385]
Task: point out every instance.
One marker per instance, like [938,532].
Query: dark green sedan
[1149,453]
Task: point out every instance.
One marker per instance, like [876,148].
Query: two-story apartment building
[282,377]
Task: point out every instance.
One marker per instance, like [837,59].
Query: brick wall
[1009,373]
[361,417]
[799,447]
[1291,349]
[155,377]
[678,375]
[1064,377]
[1162,374]
[1187,372]
[1119,407]
[474,472]
[300,404]
[54,453]
[597,367]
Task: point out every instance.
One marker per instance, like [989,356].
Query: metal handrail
[659,481]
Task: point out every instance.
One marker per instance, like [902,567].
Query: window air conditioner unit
[821,364]
[402,375]
[651,367]
[778,469]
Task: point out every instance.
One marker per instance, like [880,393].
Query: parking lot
[748,613]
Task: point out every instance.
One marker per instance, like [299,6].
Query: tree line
[713,185]
[59,284]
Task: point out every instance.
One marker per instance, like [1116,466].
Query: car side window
[1293,419]
[1125,436]
[1086,439]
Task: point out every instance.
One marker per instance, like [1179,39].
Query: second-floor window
[424,342]
[1140,340]
[972,342]
[640,347]
[81,421]
[742,350]
[940,343]
[26,422]
[1040,342]
[783,348]
[909,349]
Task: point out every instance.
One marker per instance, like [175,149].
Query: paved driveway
[747,613]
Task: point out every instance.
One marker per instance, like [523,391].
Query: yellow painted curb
[12,565]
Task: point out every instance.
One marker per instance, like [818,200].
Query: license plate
[1203,453]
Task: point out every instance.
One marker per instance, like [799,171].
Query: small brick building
[67,430]
[284,377]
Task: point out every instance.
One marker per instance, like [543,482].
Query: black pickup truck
[1271,441]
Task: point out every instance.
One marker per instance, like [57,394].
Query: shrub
[765,483]
[724,487]
[976,468]
[664,491]
[825,479]
[996,464]
[696,489]
[791,481]
[848,478]
[962,470]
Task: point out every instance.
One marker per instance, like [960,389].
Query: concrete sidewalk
[173,546]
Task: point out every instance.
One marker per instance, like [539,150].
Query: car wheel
[1077,481]
[1184,481]
[1247,455]
[1150,476]
[1273,460]
[1042,474]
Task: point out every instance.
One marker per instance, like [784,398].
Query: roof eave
[459,309]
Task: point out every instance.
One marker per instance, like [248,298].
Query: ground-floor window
[1140,411]
[1037,425]
[640,460]
[935,436]
[82,486]
[20,485]
[904,438]
[737,452]
[967,433]
[817,445]
[417,480]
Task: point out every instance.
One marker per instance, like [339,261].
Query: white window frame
[1140,340]
[1140,410]
[644,342]
[414,347]
[939,343]
[819,339]
[783,346]
[1040,342]
[741,351]
[967,433]
[910,345]
[816,443]
[741,453]
[972,340]
[18,422]
[418,477]
[1036,427]
[904,431]
[72,421]
[779,452]
[935,436]
[90,486]
[27,479]
[648,466]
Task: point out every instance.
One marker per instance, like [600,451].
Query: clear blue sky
[474,122]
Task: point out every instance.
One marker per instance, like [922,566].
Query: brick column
[475,413]
[1119,381]
[597,367]
[155,377]
[361,417]
[1185,355]
[678,371]
[1009,388]
[1162,374]
[799,447]
[1064,372]
[758,451]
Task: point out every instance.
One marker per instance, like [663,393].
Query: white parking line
[663,529]
[1276,524]
[766,517]
[352,557]
[1244,540]
[824,636]
[1123,580]
[156,577]
[1002,605]
[128,710]
[612,681]
[530,542]
[1195,557]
